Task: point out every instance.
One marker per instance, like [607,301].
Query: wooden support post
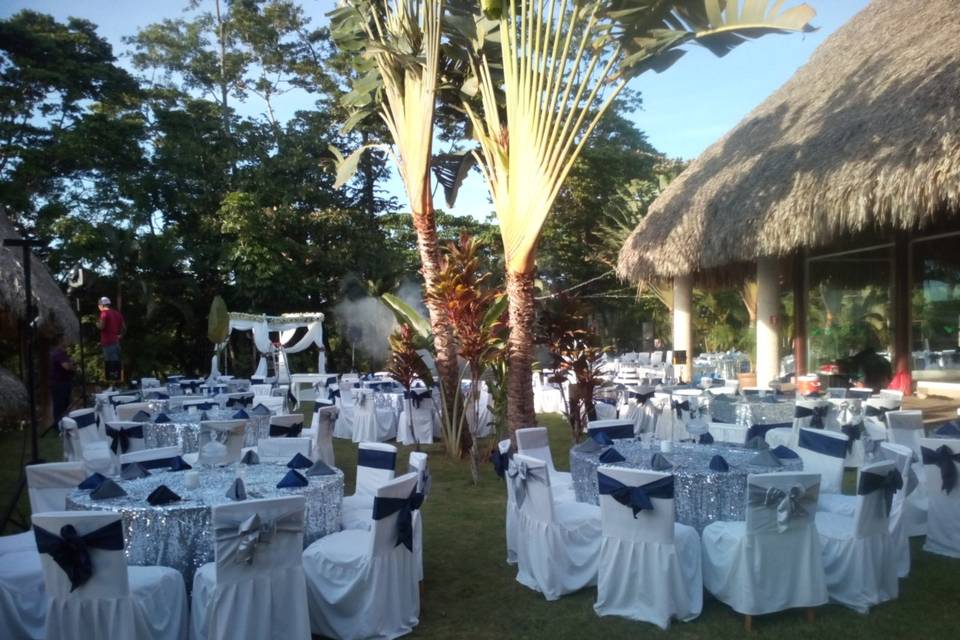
[683,321]
[800,314]
[902,317]
[768,321]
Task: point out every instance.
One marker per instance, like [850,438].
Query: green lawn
[470,592]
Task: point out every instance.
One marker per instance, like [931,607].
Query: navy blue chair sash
[816,415]
[946,461]
[86,420]
[637,498]
[680,407]
[853,432]
[286,431]
[71,551]
[875,412]
[404,508]
[376,459]
[416,397]
[120,438]
[889,482]
[641,398]
[822,443]
[761,429]
[500,461]
[175,463]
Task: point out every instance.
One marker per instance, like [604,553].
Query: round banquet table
[702,495]
[178,534]
[183,429]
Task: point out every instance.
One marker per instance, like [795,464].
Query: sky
[685,109]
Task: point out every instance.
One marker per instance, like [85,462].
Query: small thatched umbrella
[864,137]
[56,316]
[13,397]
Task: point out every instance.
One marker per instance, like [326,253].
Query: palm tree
[563,63]
[402,40]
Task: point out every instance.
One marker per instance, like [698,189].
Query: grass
[470,591]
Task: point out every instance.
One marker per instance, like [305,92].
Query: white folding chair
[255,587]
[746,564]
[534,442]
[558,543]
[650,566]
[859,558]
[363,584]
[114,600]
[823,452]
[939,456]
[376,464]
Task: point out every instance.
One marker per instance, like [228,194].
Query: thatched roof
[864,137]
[13,397]
[56,315]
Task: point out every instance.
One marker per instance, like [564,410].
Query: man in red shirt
[112,328]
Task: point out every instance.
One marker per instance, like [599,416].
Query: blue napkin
[589,446]
[241,415]
[107,489]
[141,416]
[179,464]
[717,463]
[300,461]
[162,417]
[250,457]
[659,462]
[260,410]
[949,429]
[611,455]
[292,480]
[765,458]
[92,482]
[237,490]
[320,468]
[133,471]
[162,495]
[785,453]
[706,438]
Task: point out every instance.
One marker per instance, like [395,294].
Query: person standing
[112,327]
[61,379]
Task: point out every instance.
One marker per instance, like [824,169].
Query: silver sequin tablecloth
[178,535]
[183,430]
[702,495]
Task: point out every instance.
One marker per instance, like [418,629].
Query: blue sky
[685,109]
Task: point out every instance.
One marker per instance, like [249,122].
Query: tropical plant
[563,65]
[406,365]
[400,45]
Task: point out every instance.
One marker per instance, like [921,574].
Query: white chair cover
[125,412]
[343,397]
[510,517]
[823,452]
[366,426]
[650,568]
[286,425]
[943,514]
[116,601]
[806,414]
[558,544]
[906,428]
[261,389]
[426,420]
[418,465]
[687,423]
[282,449]
[85,439]
[23,598]
[255,588]
[146,455]
[324,418]
[376,464]
[900,456]
[534,442]
[859,559]
[276,404]
[363,584]
[124,437]
[772,561]
[220,441]
[48,486]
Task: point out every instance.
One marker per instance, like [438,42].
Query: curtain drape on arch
[286,326]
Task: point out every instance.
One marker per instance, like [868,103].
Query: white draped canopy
[286,325]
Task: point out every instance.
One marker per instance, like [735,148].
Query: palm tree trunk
[520,411]
[424,223]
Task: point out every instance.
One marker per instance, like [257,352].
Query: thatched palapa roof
[13,397]
[52,305]
[864,137]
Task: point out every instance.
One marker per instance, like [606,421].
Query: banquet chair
[283,449]
[241,399]
[418,465]
[419,404]
[286,426]
[115,601]
[253,590]
[859,558]
[126,412]
[823,452]
[48,486]
[363,584]
[806,414]
[894,395]
[558,543]
[275,404]
[746,564]
[219,442]
[261,389]
[510,517]
[321,432]
[376,463]
[23,598]
[686,423]
[151,458]
[605,431]
[941,458]
[875,417]
[534,442]
[343,398]
[906,427]
[365,424]
[859,393]
[650,567]
[84,439]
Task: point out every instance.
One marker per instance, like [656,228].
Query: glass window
[936,307]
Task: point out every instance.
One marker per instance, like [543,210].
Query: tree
[563,66]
